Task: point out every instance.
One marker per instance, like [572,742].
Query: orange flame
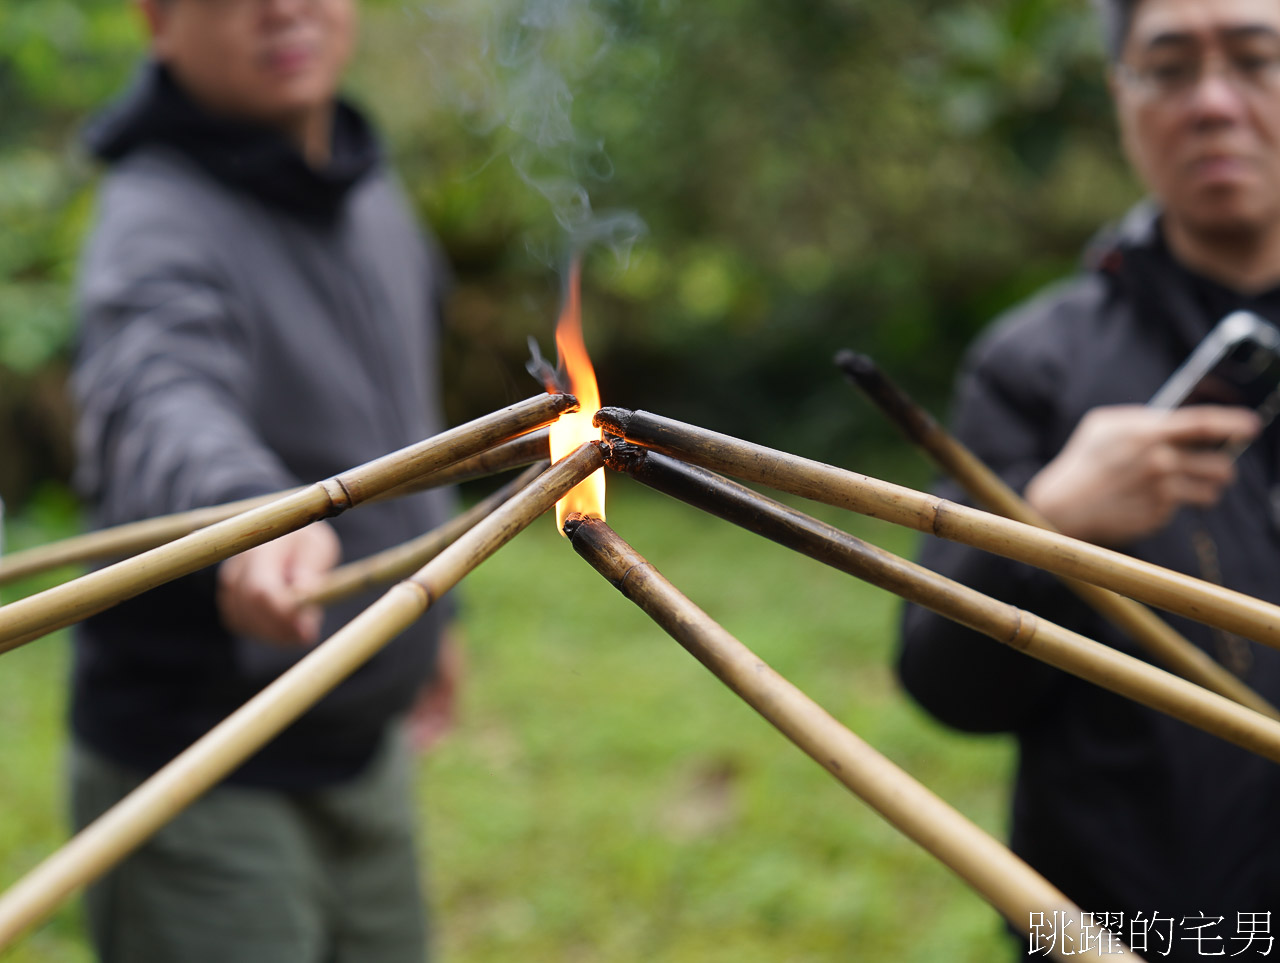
[573,429]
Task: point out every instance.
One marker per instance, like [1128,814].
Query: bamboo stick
[1000,877]
[1165,589]
[1142,625]
[28,619]
[396,563]
[1018,629]
[135,818]
[519,452]
[122,541]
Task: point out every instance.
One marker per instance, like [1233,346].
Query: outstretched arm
[166,384]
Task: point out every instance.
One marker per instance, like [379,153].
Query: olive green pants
[260,876]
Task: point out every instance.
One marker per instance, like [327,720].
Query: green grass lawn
[605,798]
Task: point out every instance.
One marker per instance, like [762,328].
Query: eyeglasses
[1171,79]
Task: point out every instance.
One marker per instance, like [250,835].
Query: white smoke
[517,84]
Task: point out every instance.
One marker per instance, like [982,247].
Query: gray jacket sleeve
[163,375]
[966,679]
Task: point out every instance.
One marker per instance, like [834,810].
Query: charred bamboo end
[616,421]
[859,367]
[912,420]
[624,456]
[563,402]
[689,483]
[604,549]
[573,522]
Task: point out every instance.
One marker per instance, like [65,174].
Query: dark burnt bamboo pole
[1000,877]
[988,489]
[1018,629]
[135,818]
[29,618]
[1056,553]
[395,563]
[122,541]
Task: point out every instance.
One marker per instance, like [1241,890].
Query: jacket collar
[248,157]
[1168,296]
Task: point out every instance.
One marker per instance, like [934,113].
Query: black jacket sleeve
[1002,407]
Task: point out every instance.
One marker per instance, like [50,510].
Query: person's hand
[259,591]
[436,708]
[1126,469]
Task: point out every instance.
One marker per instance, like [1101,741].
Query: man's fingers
[259,590]
[268,589]
[1200,492]
[257,601]
[1211,425]
[1198,477]
[306,624]
[1209,466]
[312,552]
[315,552]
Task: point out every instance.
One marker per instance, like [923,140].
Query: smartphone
[1237,363]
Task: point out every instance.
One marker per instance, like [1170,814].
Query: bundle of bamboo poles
[122,541]
[452,552]
[947,454]
[1011,886]
[664,454]
[1066,650]
[1172,591]
[30,618]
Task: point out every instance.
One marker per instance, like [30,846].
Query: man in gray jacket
[258,311]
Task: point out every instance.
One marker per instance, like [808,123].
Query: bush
[878,176]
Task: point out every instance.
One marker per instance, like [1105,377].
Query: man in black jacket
[1131,813]
[258,310]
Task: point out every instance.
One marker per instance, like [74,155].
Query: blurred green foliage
[842,173]
[58,59]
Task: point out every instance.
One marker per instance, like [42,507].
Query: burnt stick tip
[623,456]
[858,367]
[616,421]
[565,402]
[573,522]
[916,423]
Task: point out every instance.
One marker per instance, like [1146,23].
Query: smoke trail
[518,86]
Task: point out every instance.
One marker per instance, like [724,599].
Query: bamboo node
[641,567]
[339,498]
[413,583]
[1024,629]
[937,507]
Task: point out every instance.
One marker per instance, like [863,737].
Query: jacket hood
[254,158]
